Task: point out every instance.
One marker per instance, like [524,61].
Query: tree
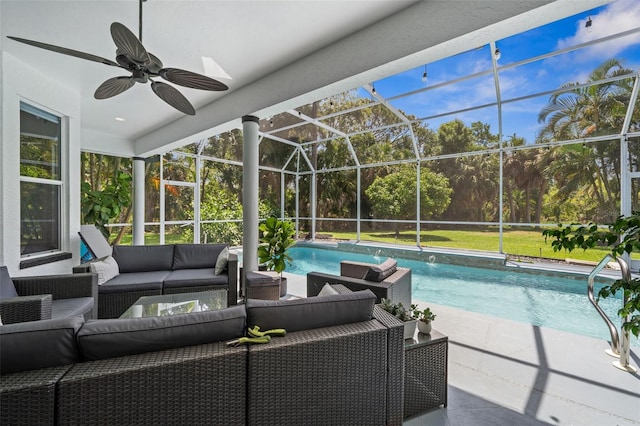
[394,195]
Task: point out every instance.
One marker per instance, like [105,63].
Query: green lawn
[515,243]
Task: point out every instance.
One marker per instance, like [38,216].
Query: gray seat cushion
[109,338]
[64,308]
[7,289]
[134,281]
[143,258]
[312,312]
[38,344]
[195,277]
[196,256]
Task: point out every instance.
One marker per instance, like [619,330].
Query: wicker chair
[396,287]
[48,296]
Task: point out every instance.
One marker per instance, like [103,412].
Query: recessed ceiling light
[119,119]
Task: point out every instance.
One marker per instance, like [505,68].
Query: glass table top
[175,304]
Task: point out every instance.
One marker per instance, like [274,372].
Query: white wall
[22,82]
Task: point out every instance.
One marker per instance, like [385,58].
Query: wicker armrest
[58,286]
[232,272]
[25,308]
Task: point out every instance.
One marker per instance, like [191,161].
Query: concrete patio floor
[504,372]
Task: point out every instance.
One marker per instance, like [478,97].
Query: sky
[521,117]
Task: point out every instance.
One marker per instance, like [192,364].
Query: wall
[22,82]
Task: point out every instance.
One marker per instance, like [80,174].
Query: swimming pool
[537,299]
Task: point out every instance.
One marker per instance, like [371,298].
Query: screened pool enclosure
[480,150]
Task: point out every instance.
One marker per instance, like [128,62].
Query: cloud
[620,16]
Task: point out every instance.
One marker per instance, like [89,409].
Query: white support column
[250,193]
[314,178]
[418,189]
[138,200]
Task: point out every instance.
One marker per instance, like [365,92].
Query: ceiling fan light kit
[143,66]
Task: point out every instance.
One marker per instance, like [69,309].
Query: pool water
[537,299]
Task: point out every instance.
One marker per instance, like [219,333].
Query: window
[40,181]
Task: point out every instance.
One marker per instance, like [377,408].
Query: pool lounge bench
[162,269]
[356,348]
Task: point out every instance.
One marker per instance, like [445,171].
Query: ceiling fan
[143,66]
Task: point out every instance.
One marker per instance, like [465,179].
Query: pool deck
[503,372]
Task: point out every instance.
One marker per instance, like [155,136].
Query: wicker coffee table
[179,303]
[425,379]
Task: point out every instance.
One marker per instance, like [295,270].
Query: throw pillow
[327,290]
[221,263]
[379,272]
[106,269]
[7,289]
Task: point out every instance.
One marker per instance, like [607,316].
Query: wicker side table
[262,285]
[425,379]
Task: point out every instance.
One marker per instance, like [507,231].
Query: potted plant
[622,236]
[424,318]
[404,315]
[276,238]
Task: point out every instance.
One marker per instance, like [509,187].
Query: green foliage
[276,238]
[99,207]
[425,315]
[622,236]
[394,195]
[397,310]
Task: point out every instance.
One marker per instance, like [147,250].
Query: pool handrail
[619,348]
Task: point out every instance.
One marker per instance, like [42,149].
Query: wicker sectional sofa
[164,269]
[341,362]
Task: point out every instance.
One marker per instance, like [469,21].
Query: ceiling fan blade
[128,44]
[113,86]
[170,95]
[191,79]
[65,51]
[156,64]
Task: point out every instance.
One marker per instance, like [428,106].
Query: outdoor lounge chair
[385,280]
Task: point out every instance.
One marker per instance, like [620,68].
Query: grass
[514,243]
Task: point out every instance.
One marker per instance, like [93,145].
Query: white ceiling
[280,54]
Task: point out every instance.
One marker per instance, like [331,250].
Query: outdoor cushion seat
[64,308]
[194,278]
[135,281]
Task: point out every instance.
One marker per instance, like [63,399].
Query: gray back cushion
[109,338]
[7,289]
[196,256]
[143,258]
[382,271]
[312,312]
[38,344]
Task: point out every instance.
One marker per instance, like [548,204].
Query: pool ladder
[619,347]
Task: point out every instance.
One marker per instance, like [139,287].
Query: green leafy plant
[425,315]
[276,238]
[99,207]
[397,310]
[620,237]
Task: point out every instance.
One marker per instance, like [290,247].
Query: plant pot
[424,327]
[409,329]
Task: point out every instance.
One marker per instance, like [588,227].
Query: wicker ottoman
[262,285]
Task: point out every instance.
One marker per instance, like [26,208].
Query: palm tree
[574,112]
